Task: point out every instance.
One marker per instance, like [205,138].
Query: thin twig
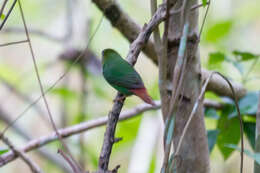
[68,160]
[58,80]
[82,113]
[42,90]
[204,19]
[36,32]
[196,105]
[240,120]
[21,95]
[162,60]
[250,69]
[3,7]
[34,168]
[44,152]
[7,15]
[12,43]
[194,7]
[76,129]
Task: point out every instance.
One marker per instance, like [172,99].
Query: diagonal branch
[82,127]
[8,13]
[74,130]
[42,89]
[135,49]
[34,168]
[44,152]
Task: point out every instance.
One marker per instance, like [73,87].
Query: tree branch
[135,49]
[44,152]
[34,168]
[76,129]
[130,29]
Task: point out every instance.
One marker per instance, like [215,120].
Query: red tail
[142,93]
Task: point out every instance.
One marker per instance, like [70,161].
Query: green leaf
[2,17]
[65,93]
[79,118]
[254,156]
[247,104]
[219,31]
[211,113]
[249,129]
[128,130]
[216,58]
[244,56]
[204,3]
[152,164]
[2,151]
[212,138]
[229,131]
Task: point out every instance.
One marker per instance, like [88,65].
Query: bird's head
[108,54]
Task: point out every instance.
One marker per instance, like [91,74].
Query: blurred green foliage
[218,31]
[2,151]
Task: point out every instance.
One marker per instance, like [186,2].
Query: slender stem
[33,166]
[42,90]
[7,15]
[12,43]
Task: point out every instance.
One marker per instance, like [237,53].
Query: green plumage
[119,73]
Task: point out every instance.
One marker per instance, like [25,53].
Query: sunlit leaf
[79,118]
[254,156]
[128,131]
[219,31]
[2,17]
[2,151]
[212,138]
[65,93]
[204,3]
[229,131]
[152,164]
[244,56]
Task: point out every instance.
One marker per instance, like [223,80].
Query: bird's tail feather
[142,93]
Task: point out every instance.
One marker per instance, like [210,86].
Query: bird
[122,76]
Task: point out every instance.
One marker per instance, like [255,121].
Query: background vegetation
[229,44]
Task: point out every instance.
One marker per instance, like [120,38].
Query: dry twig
[8,13]
[34,168]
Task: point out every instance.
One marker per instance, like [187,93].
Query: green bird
[122,76]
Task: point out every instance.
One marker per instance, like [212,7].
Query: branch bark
[135,49]
[193,154]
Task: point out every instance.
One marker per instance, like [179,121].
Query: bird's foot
[119,99]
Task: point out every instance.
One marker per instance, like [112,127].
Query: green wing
[119,73]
